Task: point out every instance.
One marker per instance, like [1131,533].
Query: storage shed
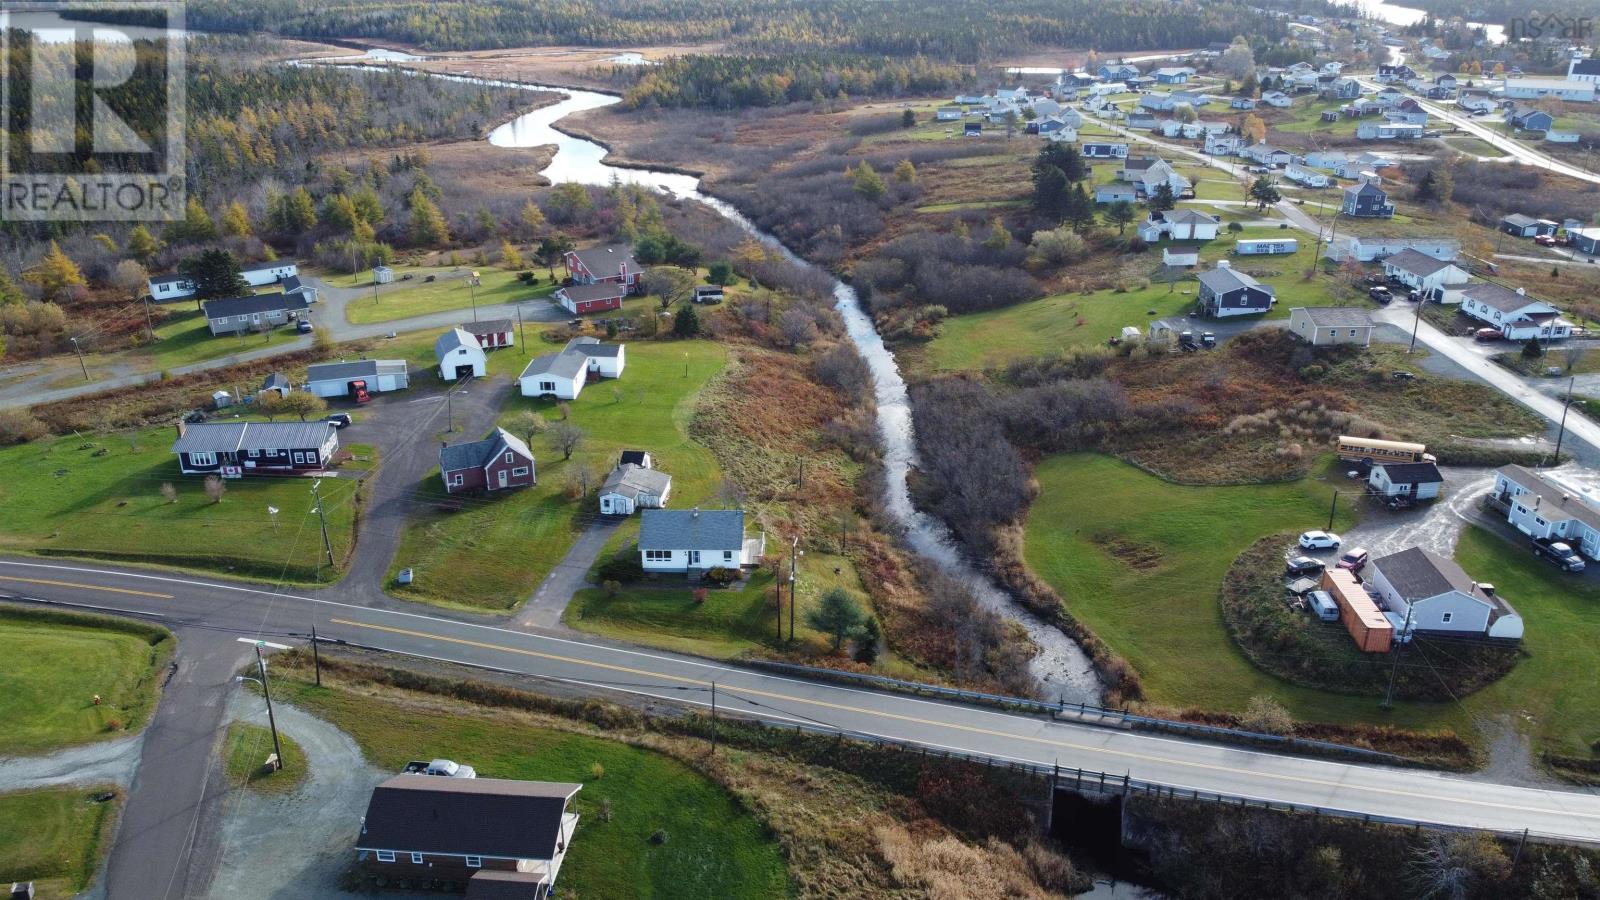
[1358,612]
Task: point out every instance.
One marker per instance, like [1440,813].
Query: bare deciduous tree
[566,437]
[169,493]
[215,488]
[669,284]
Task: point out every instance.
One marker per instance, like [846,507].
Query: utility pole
[1562,432]
[1394,669]
[149,323]
[1416,324]
[1331,507]
[794,551]
[522,336]
[713,718]
[261,665]
[472,286]
[327,545]
[81,363]
[316,653]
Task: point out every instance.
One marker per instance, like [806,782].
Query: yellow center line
[1212,767]
[87,587]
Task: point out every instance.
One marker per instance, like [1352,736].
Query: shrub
[700,595]
[721,576]
[1267,716]
[659,836]
[621,570]
[597,771]
[1235,227]
[611,586]
[18,426]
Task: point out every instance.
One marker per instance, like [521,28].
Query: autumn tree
[533,220]
[528,423]
[130,278]
[669,284]
[568,201]
[510,256]
[56,275]
[1253,129]
[905,172]
[196,225]
[566,437]
[303,404]
[428,227]
[868,183]
[141,243]
[236,220]
[10,294]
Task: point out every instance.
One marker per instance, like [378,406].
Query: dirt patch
[1135,554]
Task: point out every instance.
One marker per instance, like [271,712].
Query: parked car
[1561,554]
[444,768]
[1486,334]
[1299,566]
[1320,540]
[1208,339]
[339,420]
[1323,606]
[1413,295]
[1546,240]
[304,326]
[1381,294]
[1354,559]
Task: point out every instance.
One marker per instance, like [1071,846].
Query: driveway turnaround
[233,609]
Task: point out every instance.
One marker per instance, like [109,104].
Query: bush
[18,426]
[1235,227]
[659,836]
[621,570]
[1266,715]
[721,576]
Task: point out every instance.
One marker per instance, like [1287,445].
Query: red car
[1546,240]
[1353,560]
[1487,334]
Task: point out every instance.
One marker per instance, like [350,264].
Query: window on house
[658,555]
[508,456]
[1447,617]
[474,862]
[254,453]
[202,459]
[457,479]
[727,556]
[385,856]
[416,858]
[520,470]
[547,385]
[1540,522]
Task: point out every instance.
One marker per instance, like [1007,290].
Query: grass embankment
[492,553]
[55,665]
[100,498]
[245,749]
[712,846]
[1065,321]
[55,838]
[1141,561]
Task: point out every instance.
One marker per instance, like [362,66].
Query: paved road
[233,609]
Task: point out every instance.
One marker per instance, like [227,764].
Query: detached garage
[460,356]
[348,379]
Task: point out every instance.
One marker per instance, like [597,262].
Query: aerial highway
[193,603]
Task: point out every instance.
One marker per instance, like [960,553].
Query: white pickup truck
[444,768]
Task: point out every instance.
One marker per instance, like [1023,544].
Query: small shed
[708,293]
[221,399]
[382,275]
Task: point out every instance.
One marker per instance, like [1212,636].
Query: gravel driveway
[106,762]
[294,846]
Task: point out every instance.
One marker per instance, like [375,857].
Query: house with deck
[1428,274]
[252,312]
[1179,225]
[1544,507]
[235,449]
[694,541]
[1513,313]
[1430,593]
[1225,292]
[613,263]
[563,375]
[498,837]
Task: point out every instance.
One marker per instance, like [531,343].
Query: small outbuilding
[630,487]
[460,356]
[1418,481]
[1324,326]
[492,333]
[357,377]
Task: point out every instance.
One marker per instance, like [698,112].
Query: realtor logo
[94,114]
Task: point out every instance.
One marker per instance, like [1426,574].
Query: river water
[1061,665]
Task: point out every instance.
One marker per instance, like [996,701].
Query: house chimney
[183,428]
[1522,292]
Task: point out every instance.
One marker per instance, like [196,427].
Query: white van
[1322,606]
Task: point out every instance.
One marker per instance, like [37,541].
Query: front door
[694,558]
[502,475]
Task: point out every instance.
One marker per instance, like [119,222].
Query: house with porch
[693,541]
[1543,507]
[1367,201]
[630,487]
[235,449]
[1421,272]
[252,312]
[501,461]
[613,263]
[1179,225]
[1513,313]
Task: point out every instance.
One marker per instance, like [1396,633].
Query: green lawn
[54,838]
[183,339]
[54,669]
[1552,693]
[727,624]
[245,749]
[713,847]
[494,551]
[994,337]
[448,290]
[98,498]
[1141,561]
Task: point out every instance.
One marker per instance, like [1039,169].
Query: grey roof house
[230,315]
[694,540]
[630,487]
[234,449]
[1225,291]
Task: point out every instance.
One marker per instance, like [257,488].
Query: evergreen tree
[141,243]
[1052,194]
[56,275]
[196,225]
[533,220]
[215,273]
[868,183]
[428,227]
[908,119]
[999,238]
[1264,192]
[1121,214]
[1162,199]
[686,323]
[10,294]
[837,615]
[1063,156]
[905,172]
[867,642]
[1080,209]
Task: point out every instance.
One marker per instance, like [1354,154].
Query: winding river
[1061,665]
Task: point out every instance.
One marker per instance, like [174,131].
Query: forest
[942,29]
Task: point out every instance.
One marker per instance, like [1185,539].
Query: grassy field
[1141,563]
[244,752]
[494,551]
[712,848]
[1551,693]
[727,624]
[183,339]
[47,702]
[101,498]
[448,290]
[54,838]
[994,337]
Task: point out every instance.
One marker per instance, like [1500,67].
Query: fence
[1089,714]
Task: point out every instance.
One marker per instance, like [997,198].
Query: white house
[1367,249]
[1436,594]
[1417,480]
[1303,176]
[1267,155]
[1326,159]
[1584,68]
[630,487]
[1388,131]
[1179,225]
[350,379]
[460,356]
[1517,316]
[1534,88]
[1324,326]
[1542,507]
[170,287]
[564,374]
[1425,273]
[1223,144]
[695,540]
[1277,99]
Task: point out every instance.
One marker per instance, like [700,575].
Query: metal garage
[338,379]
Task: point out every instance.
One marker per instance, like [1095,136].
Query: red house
[601,264]
[498,462]
[580,299]
[492,333]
